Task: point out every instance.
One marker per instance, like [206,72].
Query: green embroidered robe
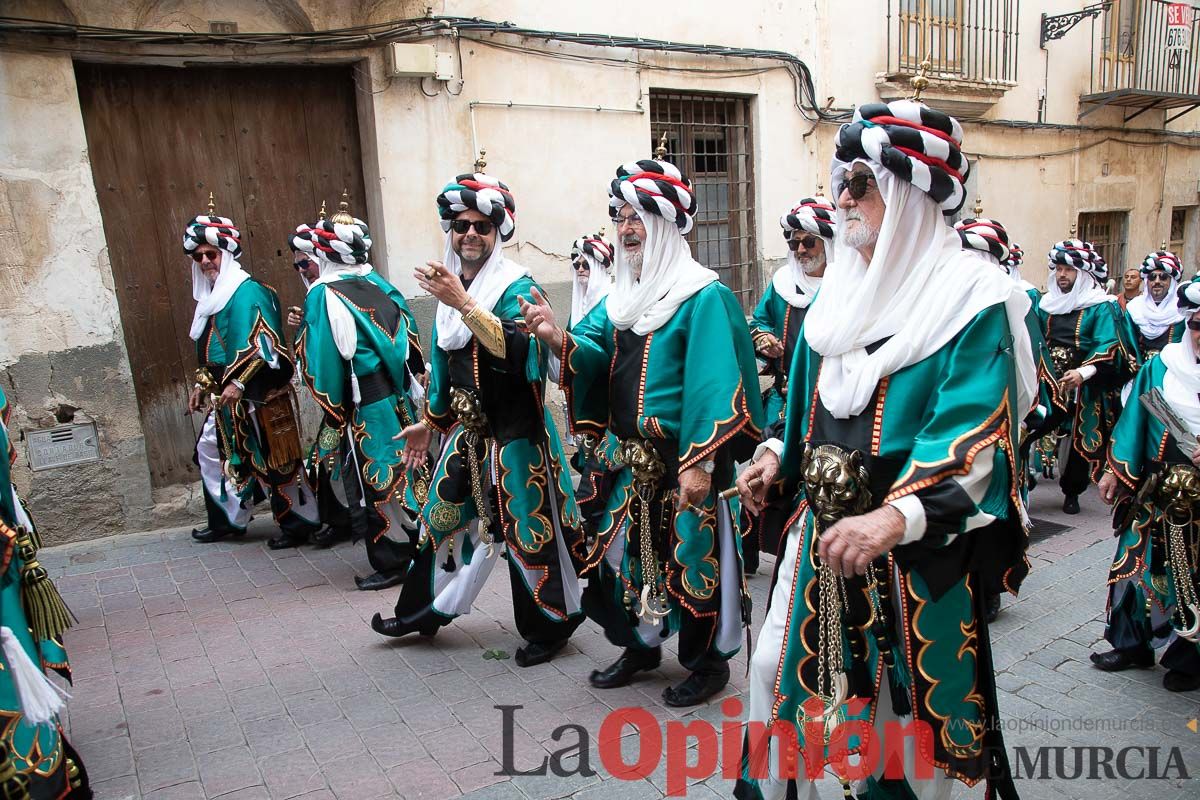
[388,345]
[774,315]
[1096,336]
[534,496]
[39,752]
[691,388]
[1140,451]
[926,426]
[246,330]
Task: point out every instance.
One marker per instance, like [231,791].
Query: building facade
[117,120]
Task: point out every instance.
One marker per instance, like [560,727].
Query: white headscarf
[489,285]
[795,285]
[1181,384]
[669,277]
[584,298]
[920,289]
[1155,318]
[1084,294]
[211,297]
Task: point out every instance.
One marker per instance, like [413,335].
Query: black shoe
[379,580]
[1071,504]
[393,626]
[621,671]
[1119,660]
[285,540]
[697,687]
[327,537]
[207,534]
[1032,481]
[1176,681]
[993,608]
[534,653]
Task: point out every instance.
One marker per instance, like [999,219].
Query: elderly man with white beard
[906,395]
[665,363]
[809,228]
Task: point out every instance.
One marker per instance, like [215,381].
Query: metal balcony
[1132,66]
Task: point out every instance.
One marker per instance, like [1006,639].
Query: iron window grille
[709,139]
[970,40]
[1107,230]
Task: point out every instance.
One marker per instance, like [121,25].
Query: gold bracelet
[488,329]
[251,369]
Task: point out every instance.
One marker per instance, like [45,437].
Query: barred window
[973,40]
[709,139]
[1107,230]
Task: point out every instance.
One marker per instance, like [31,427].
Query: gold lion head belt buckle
[836,483]
[468,410]
[646,464]
[1064,358]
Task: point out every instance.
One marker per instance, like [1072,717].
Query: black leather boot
[621,671]
[395,627]
[379,580]
[1120,660]
[207,534]
[697,687]
[1071,504]
[534,653]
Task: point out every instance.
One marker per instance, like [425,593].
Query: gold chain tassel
[13,785]
[45,609]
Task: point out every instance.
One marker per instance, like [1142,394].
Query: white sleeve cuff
[774,445]
[241,386]
[914,517]
[1086,372]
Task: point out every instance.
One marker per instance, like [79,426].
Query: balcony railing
[1132,65]
[966,40]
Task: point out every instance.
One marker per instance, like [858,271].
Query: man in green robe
[1155,482]
[500,484]
[908,386]
[989,239]
[810,229]
[33,750]
[249,445]
[1094,353]
[331,495]
[1153,315]
[665,364]
[357,346]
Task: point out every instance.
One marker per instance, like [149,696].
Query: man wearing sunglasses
[809,229]
[1154,314]
[1151,478]
[501,483]
[666,365]
[906,391]
[361,357]
[249,444]
[1094,353]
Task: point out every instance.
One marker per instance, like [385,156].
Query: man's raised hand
[539,318]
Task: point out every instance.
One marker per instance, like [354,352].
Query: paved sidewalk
[226,670]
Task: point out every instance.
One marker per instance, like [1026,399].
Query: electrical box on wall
[419,61]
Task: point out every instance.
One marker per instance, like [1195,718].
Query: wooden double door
[270,143]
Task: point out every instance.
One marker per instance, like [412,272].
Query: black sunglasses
[583,265]
[1159,276]
[199,257]
[1193,324]
[301,264]
[856,184]
[482,226]
[809,243]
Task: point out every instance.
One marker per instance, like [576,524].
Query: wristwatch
[707,466]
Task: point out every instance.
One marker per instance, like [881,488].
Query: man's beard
[474,263]
[634,257]
[860,235]
[811,264]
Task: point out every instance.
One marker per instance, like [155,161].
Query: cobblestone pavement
[227,670]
